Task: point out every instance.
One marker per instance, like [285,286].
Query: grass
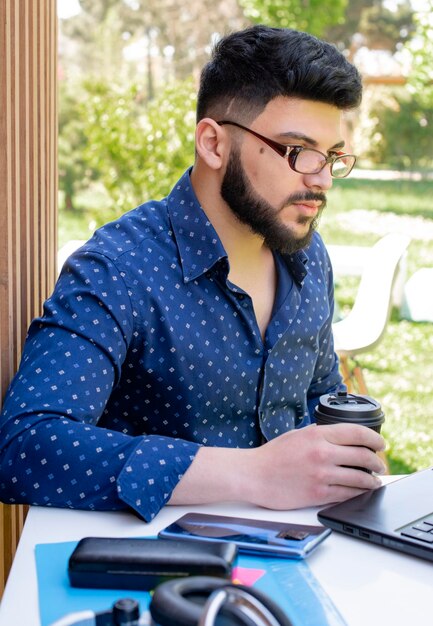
[399,371]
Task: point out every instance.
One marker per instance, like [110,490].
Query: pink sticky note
[246,575]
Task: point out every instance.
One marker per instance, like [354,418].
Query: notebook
[398,515]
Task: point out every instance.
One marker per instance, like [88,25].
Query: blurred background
[128,72]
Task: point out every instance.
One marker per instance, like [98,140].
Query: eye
[295,147]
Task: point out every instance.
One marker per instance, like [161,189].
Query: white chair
[66,250]
[364,326]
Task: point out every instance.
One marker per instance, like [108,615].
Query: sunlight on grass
[399,372]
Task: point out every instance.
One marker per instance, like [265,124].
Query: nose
[321,181]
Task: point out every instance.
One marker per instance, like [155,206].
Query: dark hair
[249,68]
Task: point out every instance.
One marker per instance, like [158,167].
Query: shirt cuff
[152,472]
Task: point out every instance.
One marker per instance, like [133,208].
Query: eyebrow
[292,136]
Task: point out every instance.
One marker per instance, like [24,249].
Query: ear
[211,143]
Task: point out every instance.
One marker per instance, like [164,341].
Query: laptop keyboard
[422,529]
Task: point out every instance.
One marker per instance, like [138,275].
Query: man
[185,346]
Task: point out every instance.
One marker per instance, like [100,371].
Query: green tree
[420,47]
[314,16]
[401,130]
[92,42]
[105,96]
[372,24]
[386,29]
[135,150]
[171,38]
[72,168]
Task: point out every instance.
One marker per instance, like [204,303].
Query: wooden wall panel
[28,193]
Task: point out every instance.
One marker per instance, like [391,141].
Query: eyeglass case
[139,563]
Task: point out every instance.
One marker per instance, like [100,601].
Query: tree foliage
[420,48]
[400,130]
[386,29]
[72,141]
[372,24]
[314,16]
[171,38]
[133,150]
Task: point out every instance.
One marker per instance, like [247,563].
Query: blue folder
[291,584]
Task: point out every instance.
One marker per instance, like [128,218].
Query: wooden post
[28,193]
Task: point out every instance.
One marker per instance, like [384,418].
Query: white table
[371,586]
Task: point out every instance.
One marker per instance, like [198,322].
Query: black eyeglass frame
[292,151]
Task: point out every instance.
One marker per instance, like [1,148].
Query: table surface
[369,585]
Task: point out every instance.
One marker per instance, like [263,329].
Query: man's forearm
[215,475]
[305,467]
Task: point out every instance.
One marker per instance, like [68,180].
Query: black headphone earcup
[180,602]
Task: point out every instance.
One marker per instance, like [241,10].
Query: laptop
[398,515]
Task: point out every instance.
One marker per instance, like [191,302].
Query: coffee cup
[348,408]
[334,408]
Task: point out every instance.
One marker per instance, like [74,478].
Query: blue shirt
[146,351]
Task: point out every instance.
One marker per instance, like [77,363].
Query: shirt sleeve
[327,377]
[52,451]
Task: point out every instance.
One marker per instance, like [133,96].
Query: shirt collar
[298,265]
[197,240]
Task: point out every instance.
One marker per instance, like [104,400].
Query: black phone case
[136,563]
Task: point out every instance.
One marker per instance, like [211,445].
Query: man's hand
[305,467]
[308,467]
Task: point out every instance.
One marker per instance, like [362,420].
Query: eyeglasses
[305,160]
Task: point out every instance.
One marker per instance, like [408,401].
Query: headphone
[190,601]
[210,601]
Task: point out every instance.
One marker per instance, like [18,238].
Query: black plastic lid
[349,406]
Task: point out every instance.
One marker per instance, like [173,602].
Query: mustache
[306,196]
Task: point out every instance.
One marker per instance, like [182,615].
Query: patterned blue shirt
[146,351]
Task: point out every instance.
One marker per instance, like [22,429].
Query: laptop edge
[379,516]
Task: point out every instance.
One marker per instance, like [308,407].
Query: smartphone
[252,536]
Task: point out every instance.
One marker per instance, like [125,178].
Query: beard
[262,218]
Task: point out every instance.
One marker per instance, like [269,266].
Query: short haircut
[249,68]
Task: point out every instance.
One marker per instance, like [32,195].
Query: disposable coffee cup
[348,408]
